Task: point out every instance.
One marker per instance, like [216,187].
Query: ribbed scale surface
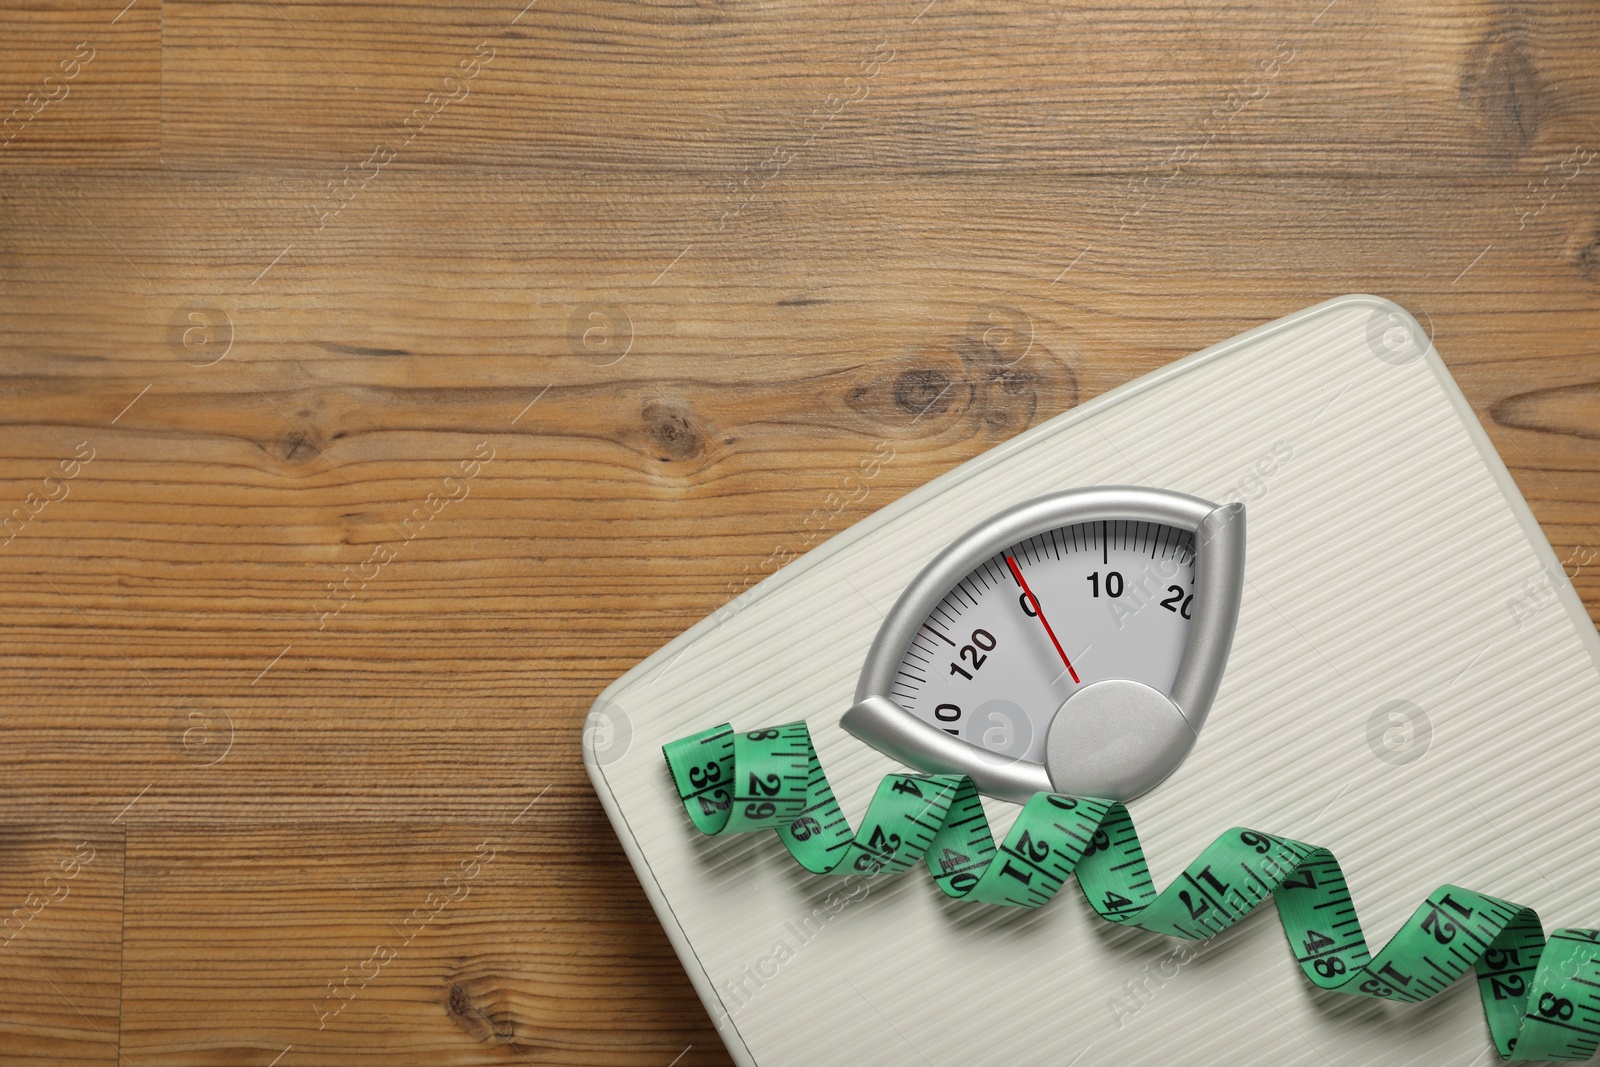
[1384,558]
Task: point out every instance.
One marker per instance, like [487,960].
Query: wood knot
[992,380]
[473,1019]
[1012,371]
[671,432]
[1589,260]
[923,391]
[916,393]
[295,446]
[459,1004]
[1562,409]
[1502,85]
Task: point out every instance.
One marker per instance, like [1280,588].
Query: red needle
[1016,573]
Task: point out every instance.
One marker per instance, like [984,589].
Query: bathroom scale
[1281,599]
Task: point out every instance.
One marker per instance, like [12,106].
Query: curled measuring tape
[1542,997]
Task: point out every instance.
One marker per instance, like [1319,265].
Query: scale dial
[1116,599]
[1072,643]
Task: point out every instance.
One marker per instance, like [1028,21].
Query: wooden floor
[382,380]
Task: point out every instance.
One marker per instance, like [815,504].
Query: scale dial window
[1118,597]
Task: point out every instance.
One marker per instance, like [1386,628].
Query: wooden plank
[60,940]
[502,939]
[79,85]
[736,92]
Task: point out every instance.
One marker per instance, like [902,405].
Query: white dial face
[1032,624]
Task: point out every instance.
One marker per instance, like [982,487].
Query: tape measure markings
[1541,997]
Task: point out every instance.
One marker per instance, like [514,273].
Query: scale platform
[1413,684]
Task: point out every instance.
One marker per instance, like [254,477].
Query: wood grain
[60,941]
[81,85]
[660,275]
[495,941]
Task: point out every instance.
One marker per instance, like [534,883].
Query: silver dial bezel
[1218,530]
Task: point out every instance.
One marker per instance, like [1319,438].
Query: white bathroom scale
[1285,583]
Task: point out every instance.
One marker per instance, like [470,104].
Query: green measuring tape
[1542,998]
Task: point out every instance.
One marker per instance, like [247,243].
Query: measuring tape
[1542,997]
